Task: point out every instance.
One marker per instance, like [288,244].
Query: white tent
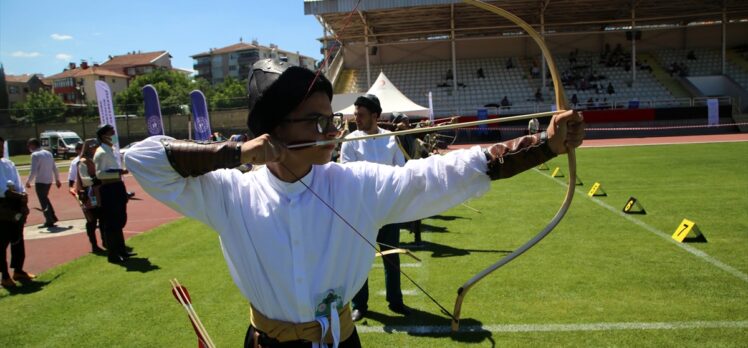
[392,100]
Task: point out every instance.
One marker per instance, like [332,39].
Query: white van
[60,142]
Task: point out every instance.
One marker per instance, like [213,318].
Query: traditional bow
[562,104]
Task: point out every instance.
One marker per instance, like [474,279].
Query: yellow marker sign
[557,173]
[687,231]
[596,190]
[630,206]
[543,166]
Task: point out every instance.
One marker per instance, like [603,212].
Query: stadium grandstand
[632,64]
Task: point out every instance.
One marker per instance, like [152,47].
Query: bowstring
[328,55]
[392,263]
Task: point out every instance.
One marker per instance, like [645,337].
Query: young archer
[296,237]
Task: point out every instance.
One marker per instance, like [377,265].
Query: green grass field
[600,279]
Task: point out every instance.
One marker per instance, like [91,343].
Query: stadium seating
[707,62]
[417,79]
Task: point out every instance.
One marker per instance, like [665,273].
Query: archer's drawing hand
[565,130]
[262,150]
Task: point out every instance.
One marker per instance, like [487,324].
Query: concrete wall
[129,130]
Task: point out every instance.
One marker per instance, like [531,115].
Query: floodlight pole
[366,54]
[633,44]
[542,57]
[454,59]
[724,38]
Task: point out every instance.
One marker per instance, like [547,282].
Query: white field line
[558,327]
[410,292]
[402,265]
[696,252]
[665,143]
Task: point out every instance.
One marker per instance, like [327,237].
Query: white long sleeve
[285,249]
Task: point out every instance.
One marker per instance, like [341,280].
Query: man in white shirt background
[43,171]
[113,196]
[383,151]
[12,219]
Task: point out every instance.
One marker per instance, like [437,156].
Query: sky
[43,36]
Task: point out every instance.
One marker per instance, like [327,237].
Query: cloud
[64,56]
[24,54]
[60,37]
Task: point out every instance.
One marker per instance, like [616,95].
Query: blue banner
[153,120]
[482,115]
[200,115]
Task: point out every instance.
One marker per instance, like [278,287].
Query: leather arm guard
[190,158]
[511,157]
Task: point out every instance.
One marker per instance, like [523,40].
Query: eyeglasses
[323,121]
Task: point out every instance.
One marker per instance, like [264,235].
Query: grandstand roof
[392,21]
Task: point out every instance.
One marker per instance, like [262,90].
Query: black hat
[275,89]
[397,117]
[370,102]
[103,129]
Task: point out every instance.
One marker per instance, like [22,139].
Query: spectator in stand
[87,192]
[691,55]
[13,212]
[535,70]
[505,102]
[610,88]
[480,73]
[573,57]
[43,171]
[538,95]
[450,75]
[509,63]
[645,66]
[590,103]
[574,99]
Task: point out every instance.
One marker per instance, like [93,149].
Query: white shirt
[285,249]
[380,150]
[8,172]
[86,179]
[104,159]
[42,168]
[73,172]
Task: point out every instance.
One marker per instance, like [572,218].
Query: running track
[45,250]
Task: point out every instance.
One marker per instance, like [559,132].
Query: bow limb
[562,104]
[397,251]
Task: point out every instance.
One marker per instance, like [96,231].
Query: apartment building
[138,63]
[235,60]
[76,85]
[20,86]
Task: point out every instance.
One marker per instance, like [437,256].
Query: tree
[4,100]
[230,93]
[42,106]
[173,90]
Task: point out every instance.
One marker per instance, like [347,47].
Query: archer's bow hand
[505,159]
[565,130]
[262,149]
